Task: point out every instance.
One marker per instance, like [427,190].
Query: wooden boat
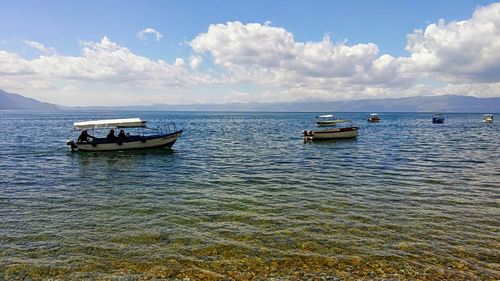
[345,132]
[438,118]
[488,118]
[164,136]
[374,118]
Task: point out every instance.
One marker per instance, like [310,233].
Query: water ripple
[241,196]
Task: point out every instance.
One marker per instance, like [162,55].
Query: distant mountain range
[16,101]
[446,103]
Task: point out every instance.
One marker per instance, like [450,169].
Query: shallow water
[241,196]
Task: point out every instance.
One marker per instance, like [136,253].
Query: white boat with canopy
[346,131]
[374,118]
[164,136]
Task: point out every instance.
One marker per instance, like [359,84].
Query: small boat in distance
[488,118]
[326,120]
[159,137]
[344,132]
[374,118]
[438,118]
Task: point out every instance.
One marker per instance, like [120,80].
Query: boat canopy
[325,116]
[374,114]
[110,124]
[488,115]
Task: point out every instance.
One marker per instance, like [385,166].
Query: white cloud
[105,65]
[195,62]
[238,96]
[12,64]
[69,88]
[260,62]
[41,85]
[460,51]
[108,62]
[263,54]
[179,62]
[49,51]
[143,34]
[471,89]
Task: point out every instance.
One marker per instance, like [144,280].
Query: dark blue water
[241,196]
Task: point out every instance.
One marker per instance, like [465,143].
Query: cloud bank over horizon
[243,62]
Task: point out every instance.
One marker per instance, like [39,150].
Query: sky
[183,52]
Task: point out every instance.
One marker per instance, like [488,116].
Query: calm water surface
[241,196]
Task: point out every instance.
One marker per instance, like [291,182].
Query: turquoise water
[241,196]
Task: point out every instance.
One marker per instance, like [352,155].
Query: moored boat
[164,136]
[374,118]
[438,118]
[345,132]
[488,118]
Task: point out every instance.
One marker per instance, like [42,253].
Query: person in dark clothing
[111,136]
[84,136]
[122,136]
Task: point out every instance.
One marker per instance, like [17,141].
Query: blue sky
[368,29]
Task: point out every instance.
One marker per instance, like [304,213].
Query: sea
[241,196]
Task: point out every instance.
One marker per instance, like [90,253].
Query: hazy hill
[16,101]
[447,103]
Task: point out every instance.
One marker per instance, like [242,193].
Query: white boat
[488,118]
[374,118]
[327,120]
[345,132]
[159,137]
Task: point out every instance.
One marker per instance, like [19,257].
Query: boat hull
[339,133]
[326,123]
[438,120]
[143,143]
[488,119]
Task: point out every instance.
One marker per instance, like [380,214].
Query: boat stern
[72,144]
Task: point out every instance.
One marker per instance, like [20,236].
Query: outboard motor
[72,144]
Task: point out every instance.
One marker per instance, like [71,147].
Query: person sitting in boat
[122,136]
[111,136]
[84,136]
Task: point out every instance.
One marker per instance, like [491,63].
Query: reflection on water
[127,159]
[241,196]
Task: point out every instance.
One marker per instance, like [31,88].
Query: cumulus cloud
[473,89]
[106,61]
[103,63]
[179,62]
[195,62]
[272,55]
[253,44]
[460,51]
[12,64]
[143,34]
[458,57]
[457,52]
